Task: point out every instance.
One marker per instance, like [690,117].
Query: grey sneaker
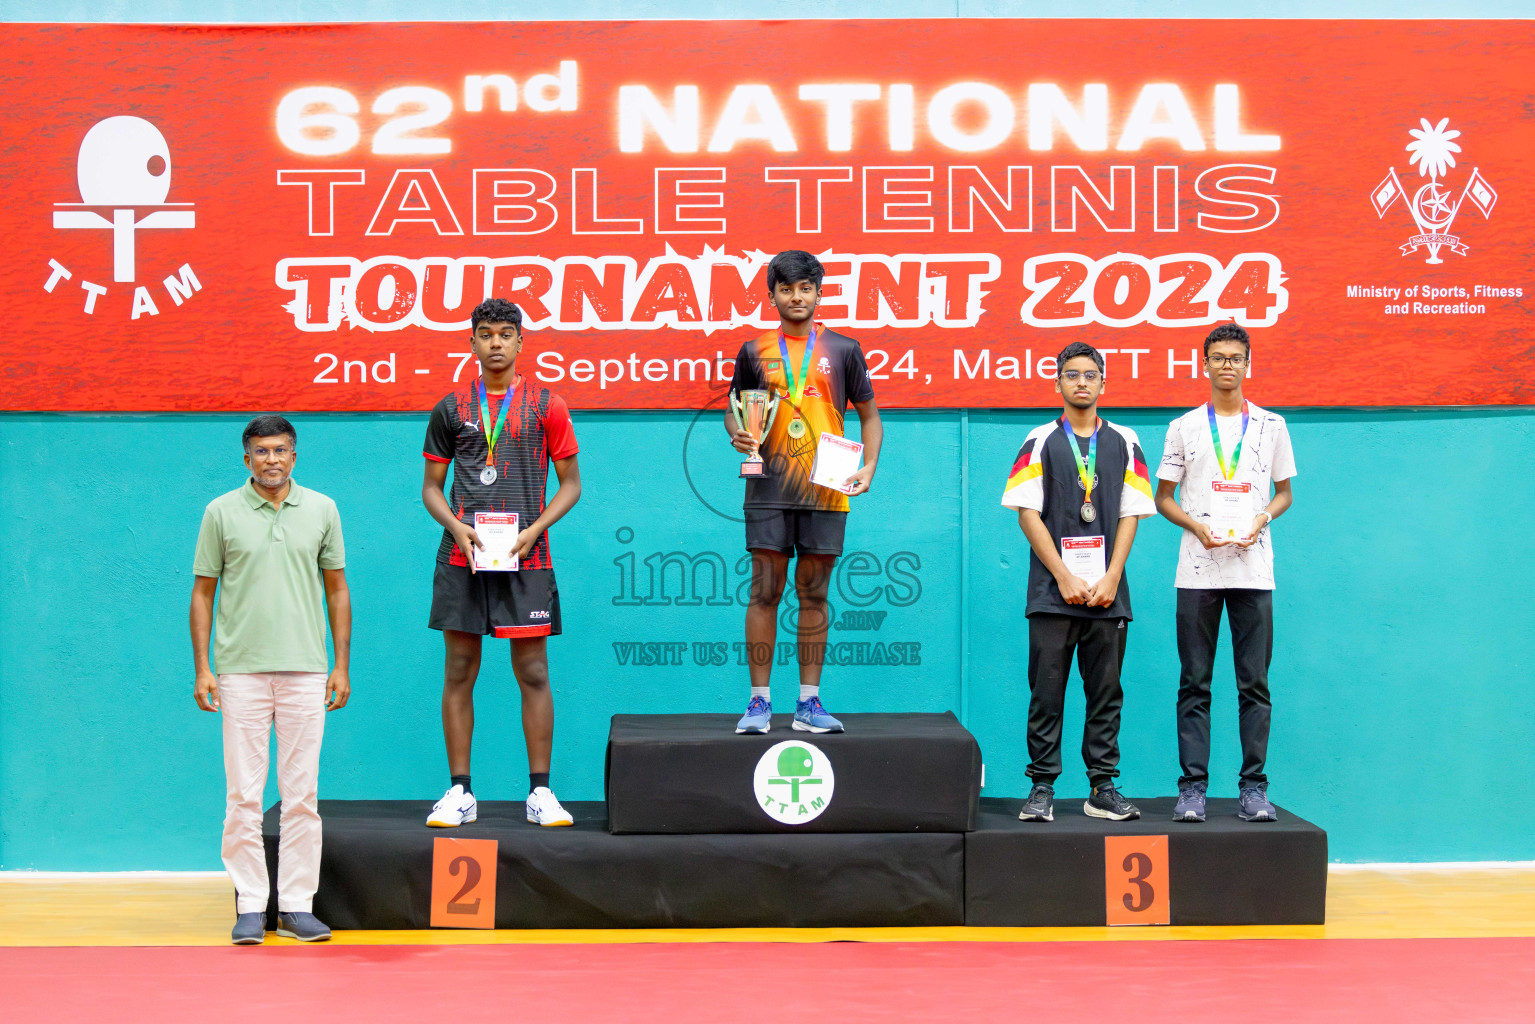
[1040,806]
[1253,804]
[1191,802]
[1106,802]
[302,926]
[250,929]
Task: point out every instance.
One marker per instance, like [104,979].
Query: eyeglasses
[1072,376]
[1220,361]
[280,452]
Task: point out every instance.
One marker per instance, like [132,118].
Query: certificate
[1085,557]
[836,459]
[498,532]
[1231,509]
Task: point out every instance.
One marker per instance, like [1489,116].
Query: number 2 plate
[463,883]
[1135,880]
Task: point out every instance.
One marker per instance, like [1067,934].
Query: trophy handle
[736,409]
[773,405]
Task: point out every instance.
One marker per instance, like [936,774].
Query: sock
[536,779]
[460,780]
[762,691]
[806,692]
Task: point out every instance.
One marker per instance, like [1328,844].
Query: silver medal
[488,475]
[1088,512]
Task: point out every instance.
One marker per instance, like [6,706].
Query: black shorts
[509,605]
[791,530]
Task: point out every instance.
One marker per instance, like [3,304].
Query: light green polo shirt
[271,596]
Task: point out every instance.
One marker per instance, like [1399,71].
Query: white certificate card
[1085,557]
[836,459]
[498,532]
[1231,509]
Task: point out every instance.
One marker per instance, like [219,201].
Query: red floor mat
[1403,981]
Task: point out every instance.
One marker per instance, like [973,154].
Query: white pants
[250,705]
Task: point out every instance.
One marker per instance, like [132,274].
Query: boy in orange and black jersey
[815,372]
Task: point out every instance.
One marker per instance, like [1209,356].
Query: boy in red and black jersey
[815,372]
[500,433]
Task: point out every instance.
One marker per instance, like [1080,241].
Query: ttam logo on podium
[123,170]
[794,782]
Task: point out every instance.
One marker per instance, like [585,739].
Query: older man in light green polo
[272,552]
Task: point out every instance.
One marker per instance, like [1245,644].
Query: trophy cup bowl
[755,411]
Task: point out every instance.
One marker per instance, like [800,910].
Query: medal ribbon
[1215,435]
[1086,468]
[491,436]
[796,391]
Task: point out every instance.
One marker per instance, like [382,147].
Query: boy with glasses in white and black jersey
[1080,486]
[1223,459]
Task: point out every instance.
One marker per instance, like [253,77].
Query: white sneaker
[544,809]
[455,808]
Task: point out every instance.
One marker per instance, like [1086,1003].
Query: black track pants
[1099,646]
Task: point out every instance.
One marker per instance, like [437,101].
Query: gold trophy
[755,411]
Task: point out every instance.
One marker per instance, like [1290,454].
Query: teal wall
[1400,675]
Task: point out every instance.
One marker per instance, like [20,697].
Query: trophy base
[753,470]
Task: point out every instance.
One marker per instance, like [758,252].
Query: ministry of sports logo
[794,782]
[1434,205]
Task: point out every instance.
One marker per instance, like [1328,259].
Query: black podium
[1220,871]
[376,872]
[879,826]
[691,774]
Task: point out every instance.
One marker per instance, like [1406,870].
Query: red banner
[302,217]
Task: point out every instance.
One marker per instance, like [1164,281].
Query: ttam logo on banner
[1433,207]
[124,174]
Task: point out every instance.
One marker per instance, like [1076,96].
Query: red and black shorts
[508,605]
[793,530]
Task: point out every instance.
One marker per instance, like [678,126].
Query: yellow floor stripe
[199,911]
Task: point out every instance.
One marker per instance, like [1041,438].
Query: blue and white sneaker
[1191,802]
[1253,804]
[544,809]
[809,716]
[455,808]
[758,717]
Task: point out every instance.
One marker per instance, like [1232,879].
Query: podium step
[690,774]
[1224,871]
[376,871]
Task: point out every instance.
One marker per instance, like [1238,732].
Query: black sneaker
[302,926]
[250,929]
[1107,803]
[1040,806]
[1253,804]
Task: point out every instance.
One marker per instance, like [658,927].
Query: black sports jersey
[537,429]
[1045,479]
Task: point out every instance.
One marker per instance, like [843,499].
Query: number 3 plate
[1135,880]
[463,883]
